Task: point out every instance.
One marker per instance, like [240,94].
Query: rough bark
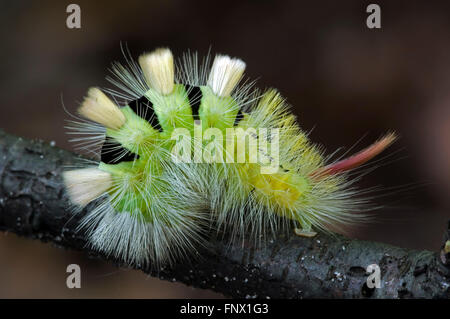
[33,204]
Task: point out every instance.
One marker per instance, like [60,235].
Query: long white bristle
[158,68]
[85,185]
[99,108]
[225,74]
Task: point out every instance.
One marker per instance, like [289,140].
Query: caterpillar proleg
[194,148]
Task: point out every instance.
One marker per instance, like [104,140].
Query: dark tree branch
[33,204]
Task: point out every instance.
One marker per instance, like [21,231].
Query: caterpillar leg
[305,233]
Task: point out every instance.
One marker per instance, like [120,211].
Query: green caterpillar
[192,150]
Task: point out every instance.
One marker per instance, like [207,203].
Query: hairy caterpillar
[192,149]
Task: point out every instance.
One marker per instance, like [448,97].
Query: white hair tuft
[158,68]
[99,108]
[225,75]
[85,185]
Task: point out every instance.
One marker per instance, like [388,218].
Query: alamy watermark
[74,279]
[237,146]
[374,279]
[373,21]
[73,20]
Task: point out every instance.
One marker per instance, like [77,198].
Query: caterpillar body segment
[193,150]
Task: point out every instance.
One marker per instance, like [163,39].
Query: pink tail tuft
[357,159]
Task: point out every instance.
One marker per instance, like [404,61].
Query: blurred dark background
[344,81]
